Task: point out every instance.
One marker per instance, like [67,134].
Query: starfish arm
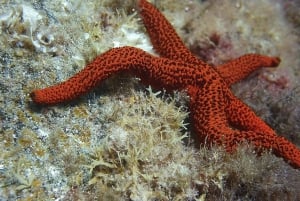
[216,125]
[163,36]
[288,151]
[241,67]
[110,62]
[159,72]
[259,133]
[240,116]
[280,146]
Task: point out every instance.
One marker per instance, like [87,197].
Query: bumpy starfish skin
[218,116]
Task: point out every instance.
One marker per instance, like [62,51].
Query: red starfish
[218,116]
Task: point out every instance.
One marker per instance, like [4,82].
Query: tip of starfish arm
[275,61]
[39,98]
[34,97]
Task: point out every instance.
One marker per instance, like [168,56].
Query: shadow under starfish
[218,116]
